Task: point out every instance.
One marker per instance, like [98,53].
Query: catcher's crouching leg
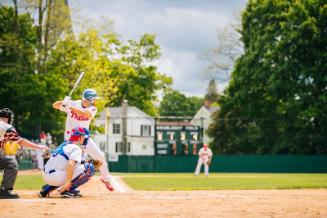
[83,177]
[46,189]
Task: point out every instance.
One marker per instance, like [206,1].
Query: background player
[9,164]
[79,114]
[64,168]
[205,155]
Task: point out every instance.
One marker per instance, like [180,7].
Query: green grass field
[228,181]
[216,181]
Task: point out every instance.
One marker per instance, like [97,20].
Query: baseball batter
[79,114]
[64,168]
[205,155]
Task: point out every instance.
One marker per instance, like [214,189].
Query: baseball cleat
[43,194]
[76,193]
[68,194]
[108,185]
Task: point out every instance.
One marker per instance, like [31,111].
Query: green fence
[223,163]
[220,163]
[25,164]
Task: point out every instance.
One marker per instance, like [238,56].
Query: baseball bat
[76,83]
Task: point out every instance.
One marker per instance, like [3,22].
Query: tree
[223,56]
[275,102]
[212,92]
[26,93]
[175,103]
[117,70]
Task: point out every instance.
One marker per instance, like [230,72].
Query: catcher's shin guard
[83,177]
[46,189]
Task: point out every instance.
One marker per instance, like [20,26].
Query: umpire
[7,163]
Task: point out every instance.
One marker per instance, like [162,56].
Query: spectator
[49,139]
[43,138]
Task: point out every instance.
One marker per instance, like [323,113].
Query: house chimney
[124,126]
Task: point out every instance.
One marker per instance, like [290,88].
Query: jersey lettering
[78,117]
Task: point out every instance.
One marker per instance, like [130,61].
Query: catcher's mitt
[96,163]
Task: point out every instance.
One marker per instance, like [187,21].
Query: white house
[203,118]
[139,131]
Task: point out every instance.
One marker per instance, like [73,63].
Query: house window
[116,128]
[145,130]
[119,147]
[159,136]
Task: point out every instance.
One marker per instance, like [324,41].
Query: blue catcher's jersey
[60,157]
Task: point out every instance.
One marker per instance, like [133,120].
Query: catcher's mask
[90,95]
[7,113]
[77,133]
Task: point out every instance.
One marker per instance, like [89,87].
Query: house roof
[166,123]
[116,112]
[204,112]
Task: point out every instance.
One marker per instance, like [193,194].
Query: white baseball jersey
[205,153]
[60,157]
[74,120]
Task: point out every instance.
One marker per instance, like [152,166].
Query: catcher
[64,170]
[205,156]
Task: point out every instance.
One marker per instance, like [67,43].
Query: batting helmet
[7,113]
[77,133]
[89,95]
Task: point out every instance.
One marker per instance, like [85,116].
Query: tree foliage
[276,100]
[175,103]
[33,75]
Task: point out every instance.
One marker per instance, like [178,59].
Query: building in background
[131,131]
[203,118]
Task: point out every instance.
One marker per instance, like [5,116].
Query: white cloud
[184,30]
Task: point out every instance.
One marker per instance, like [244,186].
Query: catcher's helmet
[7,113]
[89,95]
[77,133]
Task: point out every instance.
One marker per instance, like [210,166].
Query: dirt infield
[98,202]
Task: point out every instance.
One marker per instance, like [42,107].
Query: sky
[184,29]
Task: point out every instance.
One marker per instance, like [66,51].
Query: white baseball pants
[57,177]
[198,167]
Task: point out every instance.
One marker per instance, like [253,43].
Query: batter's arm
[57,104]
